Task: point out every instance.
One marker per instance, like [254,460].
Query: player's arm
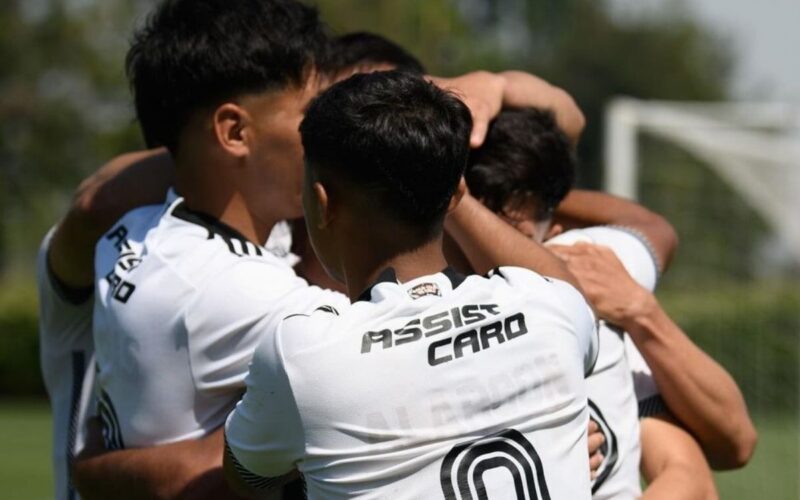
[264,436]
[485,94]
[249,485]
[697,390]
[583,208]
[488,242]
[524,90]
[673,464]
[124,183]
[184,470]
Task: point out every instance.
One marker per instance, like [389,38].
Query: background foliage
[64,110]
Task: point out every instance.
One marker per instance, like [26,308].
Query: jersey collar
[212,224]
[389,275]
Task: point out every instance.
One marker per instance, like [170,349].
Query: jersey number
[463,467]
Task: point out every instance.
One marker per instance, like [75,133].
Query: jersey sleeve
[264,433]
[644,385]
[229,316]
[574,304]
[630,247]
[65,318]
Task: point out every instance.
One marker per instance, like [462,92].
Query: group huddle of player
[335,276]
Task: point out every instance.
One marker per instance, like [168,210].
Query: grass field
[774,473]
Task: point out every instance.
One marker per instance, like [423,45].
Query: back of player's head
[362,50]
[525,156]
[392,140]
[192,54]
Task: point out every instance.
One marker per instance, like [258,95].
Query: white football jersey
[613,395]
[644,385]
[441,387]
[177,296]
[67,361]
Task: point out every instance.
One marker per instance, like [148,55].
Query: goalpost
[727,175]
[753,147]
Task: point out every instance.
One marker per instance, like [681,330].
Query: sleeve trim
[74,296]
[596,333]
[645,241]
[259,483]
[652,406]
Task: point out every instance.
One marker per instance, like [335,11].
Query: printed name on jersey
[127,261]
[448,349]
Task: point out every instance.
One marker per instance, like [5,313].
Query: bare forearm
[124,183]
[583,208]
[188,469]
[698,391]
[680,483]
[526,90]
[488,242]
[672,463]
[123,475]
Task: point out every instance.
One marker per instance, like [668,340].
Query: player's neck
[207,192]
[363,270]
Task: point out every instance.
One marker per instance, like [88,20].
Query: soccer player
[65,276]
[523,170]
[222,84]
[430,384]
[181,286]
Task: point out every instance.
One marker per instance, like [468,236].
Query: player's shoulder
[134,225]
[300,330]
[528,281]
[631,247]
[202,248]
[539,290]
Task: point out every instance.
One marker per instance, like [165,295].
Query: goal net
[727,175]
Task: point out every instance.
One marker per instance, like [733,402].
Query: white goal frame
[745,144]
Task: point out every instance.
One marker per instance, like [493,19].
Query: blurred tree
[577,44]
[64,104]
[63,108]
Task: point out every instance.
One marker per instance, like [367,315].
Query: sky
[766,37]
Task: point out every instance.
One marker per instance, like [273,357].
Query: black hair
[396,139]
[195,53]
[525,154]
[360,49]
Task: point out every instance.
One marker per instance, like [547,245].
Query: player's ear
[229,123]
[554,231]
[461,190]
[323,205]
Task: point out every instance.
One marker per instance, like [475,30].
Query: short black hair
[195,53]
[363,49]
[525,154]
[394,137]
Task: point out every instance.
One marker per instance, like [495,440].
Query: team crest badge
[424,289]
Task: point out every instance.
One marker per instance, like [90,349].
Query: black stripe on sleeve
[78,374]
[645,241]
[652,406]
[259,483]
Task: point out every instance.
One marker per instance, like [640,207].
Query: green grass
[25,444]
[774,471]
[773,474]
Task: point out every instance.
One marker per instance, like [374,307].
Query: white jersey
[67,361]
[613,395]
[441,387]
[644,385]
[178,295]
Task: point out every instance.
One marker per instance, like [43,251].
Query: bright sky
[766,35]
